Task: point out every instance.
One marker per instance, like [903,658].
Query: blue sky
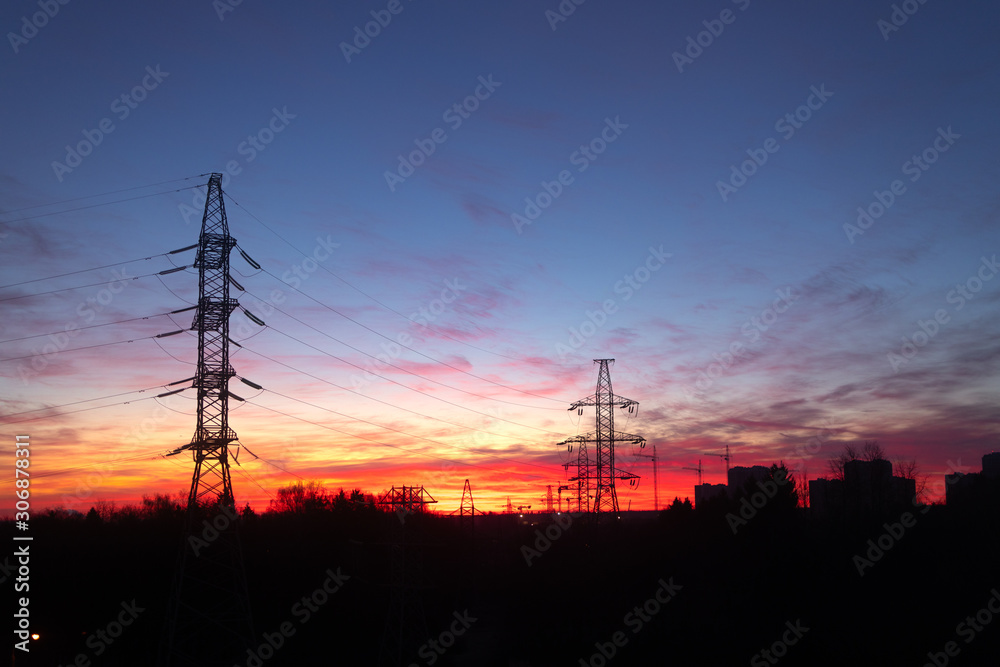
[328,132]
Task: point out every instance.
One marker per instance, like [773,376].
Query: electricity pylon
[596,469]
[405,623]
[209,619]
[467,510]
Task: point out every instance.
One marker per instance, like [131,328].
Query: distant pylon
[405,624]
[209,621]
[405,500]
[467,510]
[596,468]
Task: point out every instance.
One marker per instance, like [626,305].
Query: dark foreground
[679,588]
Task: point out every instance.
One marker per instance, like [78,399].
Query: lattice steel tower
[212,435]
[467,510]
[596,468]
[209,619]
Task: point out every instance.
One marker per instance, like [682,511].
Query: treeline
[294,499]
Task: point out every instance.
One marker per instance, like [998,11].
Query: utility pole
[209,620]
[598,471]
[405,623]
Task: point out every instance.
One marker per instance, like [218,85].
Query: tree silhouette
[910,470]
[870,450]
[299,498]
[786,498]
[679,506]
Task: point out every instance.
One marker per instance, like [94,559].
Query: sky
[778,218]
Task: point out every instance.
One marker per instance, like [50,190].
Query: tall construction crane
[656,483]
[561,489]
[698,470]
[724,456]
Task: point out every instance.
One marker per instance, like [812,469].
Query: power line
[395,342]
[272,463]
[103,194]
[103,282]
[117,201]
[372,398]
[85,347]
[422,377]
[92,326]
[172,355]
[176,295]
[246,474]
[64,471]
[73,412]
[383,305]
[386,444]
[87,400]
[96,268]
[395,430]
[377,400]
